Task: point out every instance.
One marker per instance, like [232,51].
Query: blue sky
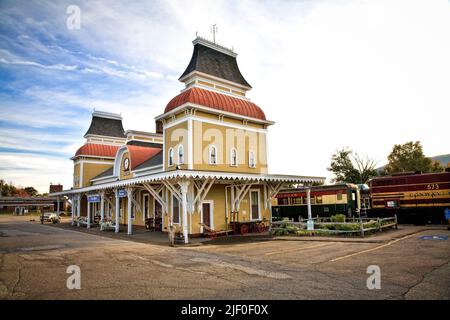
[362,74]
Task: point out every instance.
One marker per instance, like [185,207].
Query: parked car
[49,217]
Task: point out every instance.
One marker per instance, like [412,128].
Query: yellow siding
[125,174]
[76,175]
[91,170]
[224,138]
[175,136]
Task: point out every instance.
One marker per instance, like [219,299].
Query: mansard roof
[106,124]
[215,60]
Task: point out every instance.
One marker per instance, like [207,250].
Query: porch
[180,201]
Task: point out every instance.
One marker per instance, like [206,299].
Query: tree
[409,157]
[351,168]
[32,192]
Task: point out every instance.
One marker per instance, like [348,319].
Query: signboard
[122,193]
[94,198]
[434,237]
[447,214]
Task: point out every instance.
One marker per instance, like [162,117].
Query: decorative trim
[216,122]
[180,174]
[214,111]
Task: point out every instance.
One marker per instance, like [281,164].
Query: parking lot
[34,260]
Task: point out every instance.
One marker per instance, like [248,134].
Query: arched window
[233,157]
[170,157]
[212,155]
[251,159]
[180,154]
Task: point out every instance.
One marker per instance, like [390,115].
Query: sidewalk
[140,234]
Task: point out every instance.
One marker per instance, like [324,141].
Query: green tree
[32,192]
[410,157]
[351,168]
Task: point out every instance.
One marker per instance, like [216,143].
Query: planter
[179,238]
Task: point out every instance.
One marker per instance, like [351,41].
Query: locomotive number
[433,186]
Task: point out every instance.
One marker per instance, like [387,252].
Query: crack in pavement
[403,295]
[19,276]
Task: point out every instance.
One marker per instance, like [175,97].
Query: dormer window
[170,157]
[180,154]
[251,159]
[212,155]
[233,157]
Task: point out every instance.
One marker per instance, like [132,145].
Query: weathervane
[214,29]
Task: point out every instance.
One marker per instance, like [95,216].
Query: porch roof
[180,174]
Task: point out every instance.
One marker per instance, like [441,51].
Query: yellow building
[206,165]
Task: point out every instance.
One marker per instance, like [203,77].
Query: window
[175,210]
[212,155]
[254,205]
[180,154]
[297,200]
[391,204]
[145,198]
[319,199]
[233,157]
[339,196]
[251,159]
[170,157]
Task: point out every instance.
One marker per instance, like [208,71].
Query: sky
[359,74]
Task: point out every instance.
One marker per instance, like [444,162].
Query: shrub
[338,218]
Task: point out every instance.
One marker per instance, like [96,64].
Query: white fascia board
[178,174]
[104,180]
[215,111]
[216,122]
[149,168]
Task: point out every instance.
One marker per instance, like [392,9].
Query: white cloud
[34,170]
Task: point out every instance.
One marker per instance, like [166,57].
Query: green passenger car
[326,200]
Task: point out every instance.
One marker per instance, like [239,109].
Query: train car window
[339,196]
[284,201]
[297,200]
[319,199]
[391,204]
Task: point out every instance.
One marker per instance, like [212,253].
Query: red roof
[139,154]
[98,150]
[217,101]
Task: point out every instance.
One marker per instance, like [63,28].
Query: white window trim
[210,148]
[231,157]
[182,148]
[251,152]
[211,214]
[179,211]
[259,204]
[170,157]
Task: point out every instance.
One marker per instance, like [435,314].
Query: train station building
[205,166]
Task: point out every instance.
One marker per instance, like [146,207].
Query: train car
[414,198]
[325,201]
